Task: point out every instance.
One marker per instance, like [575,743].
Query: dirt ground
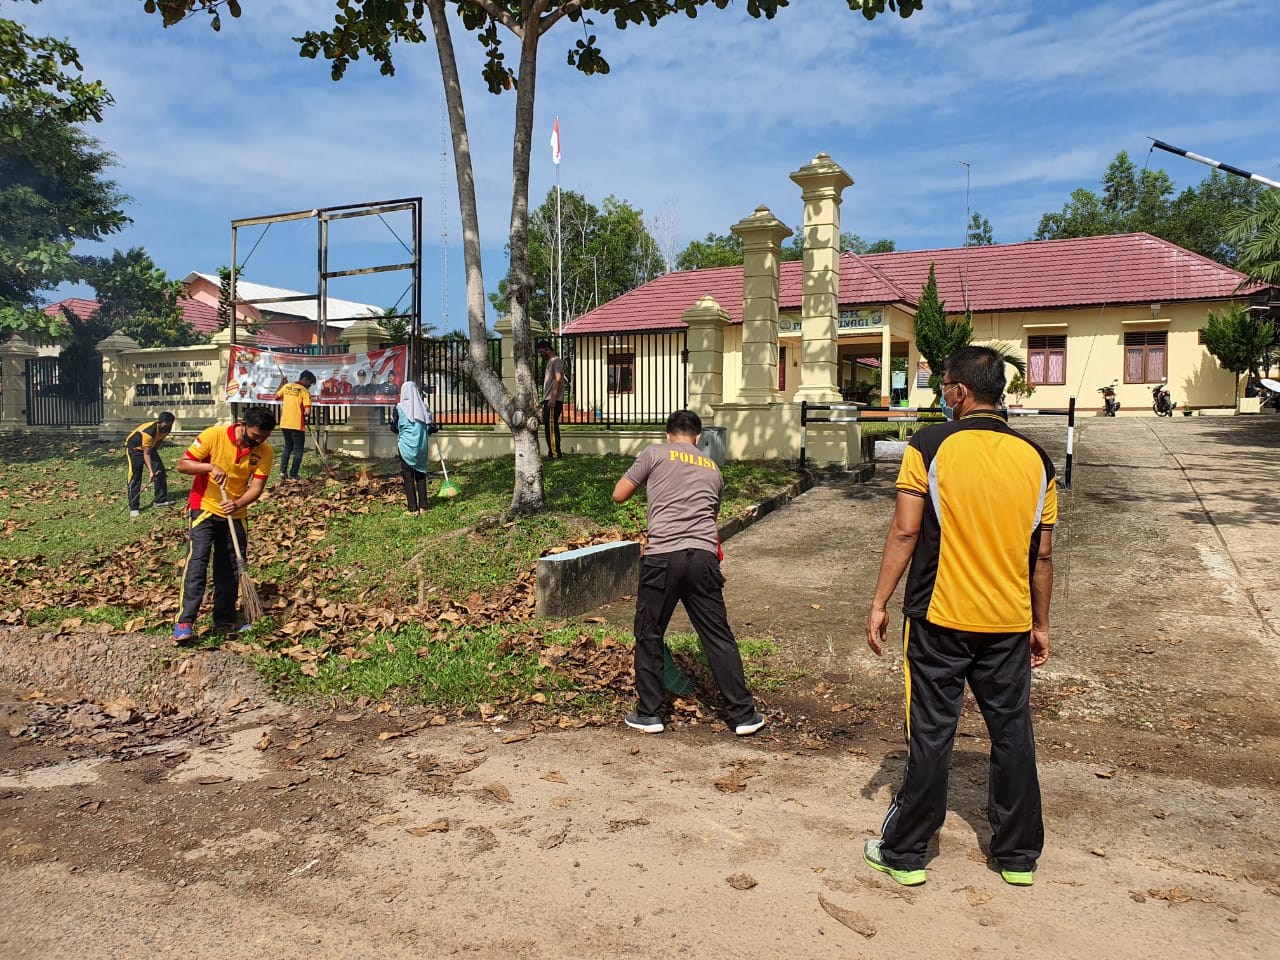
[198,818]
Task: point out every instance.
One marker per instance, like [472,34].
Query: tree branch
[549,21]
[501,16]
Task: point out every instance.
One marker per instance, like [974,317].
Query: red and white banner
[555,142]
[342,379]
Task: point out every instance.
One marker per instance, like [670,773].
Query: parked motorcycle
[1161,402]
[1109,398]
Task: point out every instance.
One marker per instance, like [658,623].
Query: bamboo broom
[250,602]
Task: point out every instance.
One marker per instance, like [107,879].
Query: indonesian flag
[555,142]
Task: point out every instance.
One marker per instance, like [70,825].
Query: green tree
[1254,232]
[1202,218]
[604,253]
[138,299]
[40,77]
[979,234]
[377,27]
[937,337]
[53,190]
[1131,200]
[713,251]
[794,249]
[1238,341]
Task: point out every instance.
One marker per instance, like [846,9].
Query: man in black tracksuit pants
[682,563]
[142,449]
[976,506]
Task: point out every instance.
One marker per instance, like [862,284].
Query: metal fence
[453,395]
[625,378]
[62,395]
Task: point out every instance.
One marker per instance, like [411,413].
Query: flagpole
[559,264]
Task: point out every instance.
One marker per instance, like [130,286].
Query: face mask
[948,411]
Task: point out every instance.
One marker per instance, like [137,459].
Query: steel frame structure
[323,217]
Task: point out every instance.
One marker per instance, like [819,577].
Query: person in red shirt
[229,466]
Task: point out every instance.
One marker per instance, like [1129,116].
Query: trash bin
[713,442]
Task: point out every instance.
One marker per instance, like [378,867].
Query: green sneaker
[907,878]
[1018,878]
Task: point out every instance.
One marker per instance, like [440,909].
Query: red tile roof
[202,316]
[1037,275]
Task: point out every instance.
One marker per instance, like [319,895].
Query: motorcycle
[1109,398]
[1161,402]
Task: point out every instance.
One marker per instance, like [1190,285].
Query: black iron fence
[452,393]
[61,393]
[625,378]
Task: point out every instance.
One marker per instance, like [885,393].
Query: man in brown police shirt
[682,562]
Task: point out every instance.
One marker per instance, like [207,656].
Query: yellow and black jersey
[144,437]
[218,445]
[988,493]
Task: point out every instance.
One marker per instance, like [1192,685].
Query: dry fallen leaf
[384,820]
[498,792]
[852,919]
[263,743]
[554,776]
[740,881]
[435,826]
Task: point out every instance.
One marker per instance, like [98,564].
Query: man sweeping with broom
[230,467]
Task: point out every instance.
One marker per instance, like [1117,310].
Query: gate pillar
[14,354]
[118,383]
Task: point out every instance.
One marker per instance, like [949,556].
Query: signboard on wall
[176,385]
[849,322]
[344,379]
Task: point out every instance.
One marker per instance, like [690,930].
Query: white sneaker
[750,727]
[133,514]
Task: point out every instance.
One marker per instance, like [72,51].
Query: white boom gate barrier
[853,413]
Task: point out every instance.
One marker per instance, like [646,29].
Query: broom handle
[231,524]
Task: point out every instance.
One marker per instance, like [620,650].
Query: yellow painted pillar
[821,183]
[762,234]
[14,354]
[707,321]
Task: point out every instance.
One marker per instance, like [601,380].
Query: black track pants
[692,577]
[138,470]
[211,538]
[938,662]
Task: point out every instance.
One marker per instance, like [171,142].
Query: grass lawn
[361,599]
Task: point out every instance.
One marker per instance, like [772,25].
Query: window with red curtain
[1047,360]
[1144,356]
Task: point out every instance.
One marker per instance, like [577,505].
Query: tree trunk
[528,494]
[516,412]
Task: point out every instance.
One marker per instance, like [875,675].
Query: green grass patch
[760,663]
[71,546]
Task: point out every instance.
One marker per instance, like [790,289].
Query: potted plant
[1018,388]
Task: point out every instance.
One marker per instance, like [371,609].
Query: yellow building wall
[1096,354]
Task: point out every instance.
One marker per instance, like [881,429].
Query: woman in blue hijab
[413,420]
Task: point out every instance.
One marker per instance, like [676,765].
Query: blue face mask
[948,411]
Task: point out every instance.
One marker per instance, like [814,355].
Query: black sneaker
[748,727]
[638,721]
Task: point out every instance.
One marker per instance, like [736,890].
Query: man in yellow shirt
[976,506]
[295,406]
[141,447]
[230,467]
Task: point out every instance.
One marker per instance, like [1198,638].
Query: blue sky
[697,124]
